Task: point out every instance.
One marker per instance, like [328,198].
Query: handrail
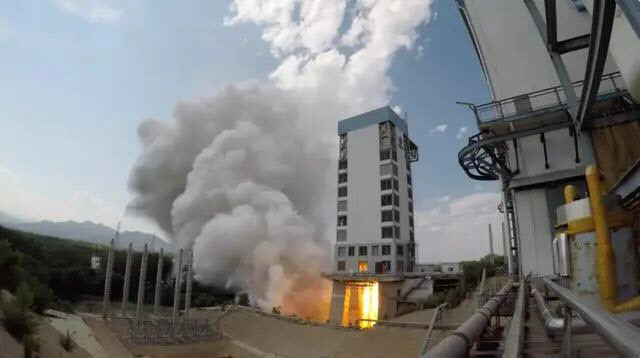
[436,313]
[556,99]
[619,334]
[457,343]
[515,334]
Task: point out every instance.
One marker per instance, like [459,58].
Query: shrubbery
[66,342]
[16,317]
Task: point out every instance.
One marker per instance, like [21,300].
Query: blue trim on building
[380,115]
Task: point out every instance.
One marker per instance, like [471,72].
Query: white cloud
[461,132]
[350,67]
[419,52]
[397,109]
[441,128]
[93,11]
[457,229]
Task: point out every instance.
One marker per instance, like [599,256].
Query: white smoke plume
[247,176]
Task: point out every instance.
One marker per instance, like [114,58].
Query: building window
[363,266]
[385,184]
[385,200]
[396,216]
[396,232]
[385,169]
[395,169]
[362,251]
[400,250]
[342,178]
[450,269]
[387,215]
[342,164]
[411,249]
[342,235]
[412,236]
[342,205]
[396,200]
[386,250]
[342,220]
[341,266]
[342,191]
[410,206]
[342,251]
[394,155]
[410,193]
[411,221]
[395,183]
[409,179]
[400,265]
[375,250]
[579,5]
[387,232]
[385,154]
[408,165]
[352,251]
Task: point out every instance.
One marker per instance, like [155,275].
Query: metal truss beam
[556,59]
[573,44]
[601,26]
[631,10]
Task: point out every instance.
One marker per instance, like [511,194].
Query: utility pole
[492,258]
[156,298]
[176,293]
[107,282]
[141,284]
[187,299]
[127,281]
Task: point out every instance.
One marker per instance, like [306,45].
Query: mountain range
[87,231]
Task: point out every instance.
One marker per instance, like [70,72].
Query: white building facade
[375,231]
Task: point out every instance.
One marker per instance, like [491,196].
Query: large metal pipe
[156,296]
[620,335]
[141,283]
[106,299]
[555,325]
[605,259]
[127,281]
[457,343]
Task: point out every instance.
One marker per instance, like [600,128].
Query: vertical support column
[141,284]
[127,281]
[106,300]
[187,298]
[507,224]
[491,245]
[156,297]
[176,293]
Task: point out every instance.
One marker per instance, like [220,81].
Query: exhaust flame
[360,304]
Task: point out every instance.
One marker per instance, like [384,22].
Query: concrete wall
[535,232]
[337,302]
[560,153]
[363,199]
[388,299]
[516,60]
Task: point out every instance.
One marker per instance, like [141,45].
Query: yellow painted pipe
[570,194]
[605,260]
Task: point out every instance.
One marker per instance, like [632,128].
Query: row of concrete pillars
[185,257]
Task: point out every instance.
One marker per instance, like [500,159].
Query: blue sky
[78,82]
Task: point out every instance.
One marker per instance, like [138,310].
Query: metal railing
[515,334]
[620,335]
[550,98]
[437,315]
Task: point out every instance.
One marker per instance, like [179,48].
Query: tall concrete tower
[375,225]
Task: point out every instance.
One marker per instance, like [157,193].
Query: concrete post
[504,243]
[491,245]
[127,281]
[176,293]
[141,284]
[187,298]
[156,298]
[107,281]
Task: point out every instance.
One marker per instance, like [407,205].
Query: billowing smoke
[246,176]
